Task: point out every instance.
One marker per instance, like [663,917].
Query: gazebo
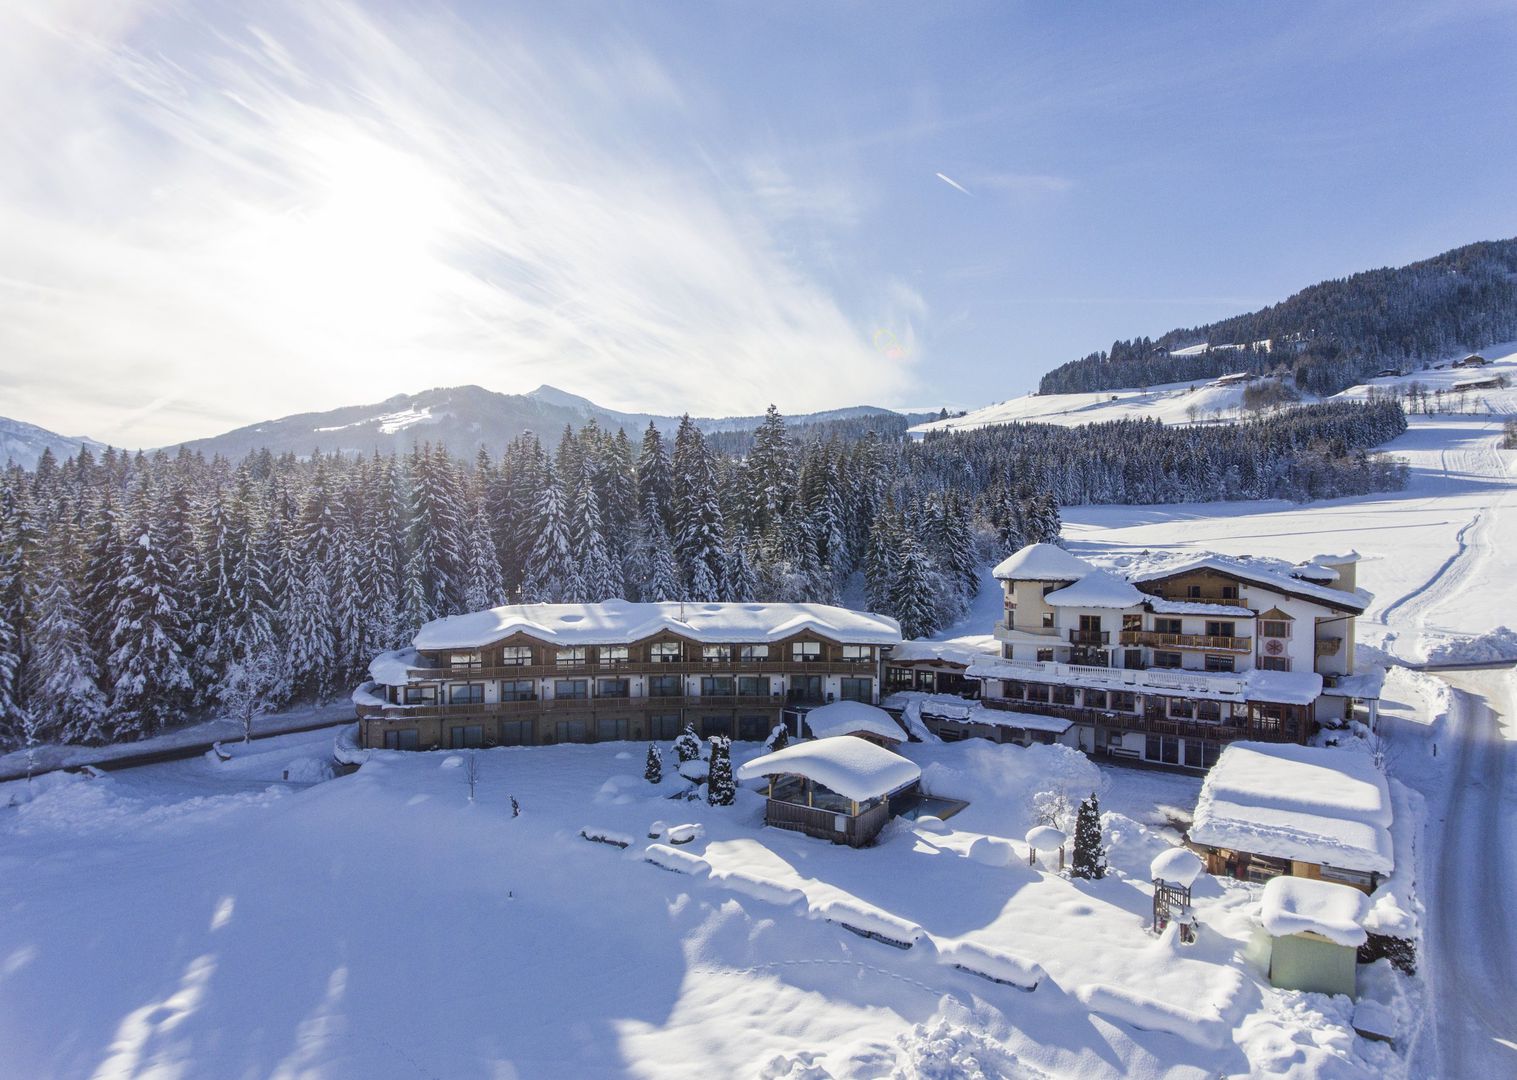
[838,789]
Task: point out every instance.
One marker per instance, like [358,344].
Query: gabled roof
[1097,589]
[1263,576]
[617,622]
[1042,562]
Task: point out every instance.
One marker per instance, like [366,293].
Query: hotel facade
[542,674]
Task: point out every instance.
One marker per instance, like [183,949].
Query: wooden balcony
[1211,642]
[620,671]
[1090,637]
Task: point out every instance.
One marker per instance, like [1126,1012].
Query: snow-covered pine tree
[67,703]
[150,677]
[550,565]
[882,560]
[699,535]
[437,534]
[687,745]
[653,768]
[769,475]
[654,482]
[311,654]
[587,540]
[1089,859]
[662,584]
[739,579]
[721,788]
[486,588]
[912,591]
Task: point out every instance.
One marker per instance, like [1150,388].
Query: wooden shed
[837,789]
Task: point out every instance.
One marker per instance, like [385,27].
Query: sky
[213,214]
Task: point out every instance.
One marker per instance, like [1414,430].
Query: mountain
[1331,335]
[23,443]
[467,417]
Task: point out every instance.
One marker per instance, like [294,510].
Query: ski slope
[1204,402]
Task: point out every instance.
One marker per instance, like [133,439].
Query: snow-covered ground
[1202,401]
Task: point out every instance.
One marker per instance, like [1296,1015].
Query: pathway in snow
[1471,881]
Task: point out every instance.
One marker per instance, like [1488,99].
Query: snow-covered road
[1471,879]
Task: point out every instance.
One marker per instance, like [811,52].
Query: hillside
[24,443]
[1209,400]
[1331,335]
[465,418]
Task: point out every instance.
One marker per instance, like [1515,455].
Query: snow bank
[681,862]
[683,834]
[345,748]
[852,718]
[1293,905]
[1493,647]
[990,963]
[992,851]
[868,921]
[1394,906]
[760,888]
[1206,1030]
[606,836]
[848,765]
[308,770]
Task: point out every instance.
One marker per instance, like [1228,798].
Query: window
[806,652]
[716,686]
[754,728]
[1275,628]
[1219,663]
[1045,656]
[515,656]
[1047,620]
[858,654]
[1215,628]
[1193,759]
[1275,663]
[1361,878]
[518,690]
[714,654]
[577,654]
[753,654]
[613,654]
[1122,701]
[758,685]
[1037,691]
[1132,622]
[571,731]
[1094,699]
[1013,688]
[405,739]
[1090,623]
[571,689]
[665,652]
[1166,659]
[663,725]
[612,688]
[1229,592]
[612,729]
[1193,592]
[465,660]
[806,689]
[896,678]
[715,725]
[857,690]
[421,695]
[466,694]
[1166,626]
[515,732]
[1182,708]
[1209,711]
[466,735]
[1063,695]
[665,686]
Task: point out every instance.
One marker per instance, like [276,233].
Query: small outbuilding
[1474,359]
[838,789]
[857,718]
[1313,930]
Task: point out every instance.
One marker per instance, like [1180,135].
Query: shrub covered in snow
[721,788]
[653,769]
[688,745]
[1090,857]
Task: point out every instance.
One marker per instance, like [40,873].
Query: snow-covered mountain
[23,443]
[464,417]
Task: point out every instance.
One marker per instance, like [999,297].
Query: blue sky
[213,218]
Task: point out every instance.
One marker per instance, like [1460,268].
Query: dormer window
[806,652]
[665,652]
[465,660]
[576,654]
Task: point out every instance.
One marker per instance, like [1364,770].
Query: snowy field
[204,918]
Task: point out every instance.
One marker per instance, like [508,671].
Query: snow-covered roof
[392,668]
[617,622]
[1160,606]
[852,767]
[1261,573]
[1314,571]
[1256,684]
[1178,864]
[1042,562]
[1307,803]
[1097,589]
[1283,687]
[1364,685]
[962,651]
[1293,905]
[365,697]
[953,707]
[852,718]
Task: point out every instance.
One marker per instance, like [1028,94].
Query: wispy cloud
[221,220]
[951,182]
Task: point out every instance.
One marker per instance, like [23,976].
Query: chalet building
[1472,360]
[539,674]
[1172,663]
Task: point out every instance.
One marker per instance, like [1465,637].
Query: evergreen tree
[688,745]
[911,593]
[653,769]
[67,703]
[150,677]
[721,788]
[699,535]
[1089,855]
[550,573]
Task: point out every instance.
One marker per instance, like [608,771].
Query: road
[1470,884]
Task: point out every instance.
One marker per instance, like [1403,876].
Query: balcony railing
[1090,637]
[1215,642]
